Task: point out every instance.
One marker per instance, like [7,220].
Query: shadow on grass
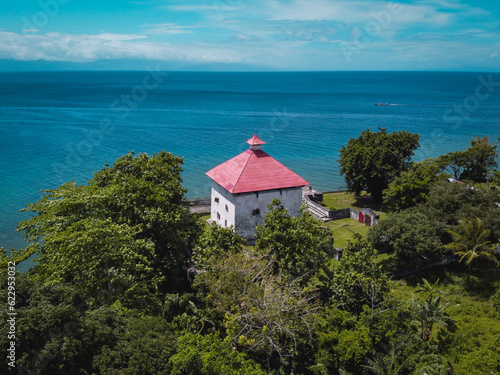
[366,201]
[482,284]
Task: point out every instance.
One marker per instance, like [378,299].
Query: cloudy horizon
[254,35]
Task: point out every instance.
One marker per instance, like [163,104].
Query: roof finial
[255,142]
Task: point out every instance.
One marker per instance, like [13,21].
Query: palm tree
[385,364]
[431,312]
[470,242]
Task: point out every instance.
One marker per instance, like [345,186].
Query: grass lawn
[475,347]
[344,229]
[338,201]
[205,218]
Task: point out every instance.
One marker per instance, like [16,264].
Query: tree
[210,355]
[474,163]
[470,242]
[449,203]
[144,347]
[16,256]
[385,364]
[124,235]
[298,243]
[215,243]
[374,159]
[409,235]
[342,342]
[55,333]
[267,316]
[412,187]
[431,311]
[357,280]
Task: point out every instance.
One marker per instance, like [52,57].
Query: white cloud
[357,12]
[167,28]
[84,48]
[194,8]
[114,37]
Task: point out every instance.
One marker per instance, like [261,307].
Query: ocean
[61,126]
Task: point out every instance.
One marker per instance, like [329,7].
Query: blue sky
[254,34]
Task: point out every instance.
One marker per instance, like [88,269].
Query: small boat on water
[381,103]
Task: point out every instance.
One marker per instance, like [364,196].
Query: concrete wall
[222,206]
[247,210]
[252,207]
[340,214]
[315,209]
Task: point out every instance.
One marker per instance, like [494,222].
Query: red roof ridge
[242,169]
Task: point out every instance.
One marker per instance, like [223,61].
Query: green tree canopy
[474,163]
[298,243]
[409,235]
[374,159]
[210,355]
[449,203]
[215,243]
[470,242]
[124,235]
[357,280]
[54,334]
[412,187]
[267,316]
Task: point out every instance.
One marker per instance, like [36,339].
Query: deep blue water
[62,126]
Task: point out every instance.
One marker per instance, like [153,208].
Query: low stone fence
[340,214]
[200,202]
[311,197]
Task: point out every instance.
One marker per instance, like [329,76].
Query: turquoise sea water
[62,126]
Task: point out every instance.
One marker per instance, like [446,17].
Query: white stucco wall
[242,206]
[225,198]
[247,203]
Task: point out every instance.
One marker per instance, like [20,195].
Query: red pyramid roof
[255,141]
[254,170]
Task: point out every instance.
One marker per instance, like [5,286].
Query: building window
[256,212]
[227,208]
[218,216]
[225,223]
[216,199]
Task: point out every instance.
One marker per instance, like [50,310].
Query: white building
[244,186]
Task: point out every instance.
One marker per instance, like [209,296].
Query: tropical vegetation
[128,281]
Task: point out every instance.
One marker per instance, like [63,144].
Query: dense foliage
[412,186]
[298,243]
[110,295]
[410,236]
[475,163]
[371,161]
[123,236]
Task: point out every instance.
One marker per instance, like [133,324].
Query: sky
[288,35]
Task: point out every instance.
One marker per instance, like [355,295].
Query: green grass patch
[338,201]
[473,345]
[344,229]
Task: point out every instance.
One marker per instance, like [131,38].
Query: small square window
[216,199]
[256,212]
